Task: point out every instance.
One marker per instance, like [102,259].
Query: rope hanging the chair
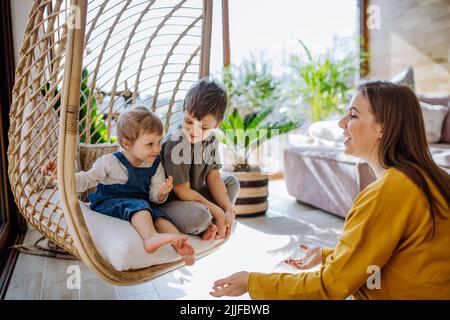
[80,65]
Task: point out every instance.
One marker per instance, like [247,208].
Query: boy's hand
[220,218]
[221,230]
[165,188]
[230,216]
[50,170]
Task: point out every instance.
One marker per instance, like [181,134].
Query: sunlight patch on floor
[248,249]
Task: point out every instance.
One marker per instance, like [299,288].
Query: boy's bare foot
[210,233]
[157,240]
[185,250]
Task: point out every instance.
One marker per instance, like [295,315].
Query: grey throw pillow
[406,77]
[433,117]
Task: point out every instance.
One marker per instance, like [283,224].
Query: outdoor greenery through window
[286,54]
[295,62]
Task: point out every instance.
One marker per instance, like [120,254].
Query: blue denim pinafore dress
[122,200]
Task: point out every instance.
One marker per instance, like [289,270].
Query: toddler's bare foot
[185,250]
[210,233]
[157,240]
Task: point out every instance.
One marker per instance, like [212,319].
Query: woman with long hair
[396,238]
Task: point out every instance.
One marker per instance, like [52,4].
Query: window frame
[12,224]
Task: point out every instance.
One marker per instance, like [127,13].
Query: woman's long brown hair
[404,145]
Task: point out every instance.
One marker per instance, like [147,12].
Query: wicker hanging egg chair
[81,64]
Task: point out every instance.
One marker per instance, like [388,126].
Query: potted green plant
[253,93]
[324,81]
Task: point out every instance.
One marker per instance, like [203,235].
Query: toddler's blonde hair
[136,122]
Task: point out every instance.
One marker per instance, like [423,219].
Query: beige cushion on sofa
[405,78]
[327,133]
[327,129]
[433,117]
[441,154]
[443,100]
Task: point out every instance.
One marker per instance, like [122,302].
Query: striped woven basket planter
[252,199]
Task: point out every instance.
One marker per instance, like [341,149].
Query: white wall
[412,33]
[20,9]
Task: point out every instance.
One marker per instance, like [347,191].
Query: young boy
[201,201]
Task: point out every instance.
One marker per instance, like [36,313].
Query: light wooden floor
[258,244]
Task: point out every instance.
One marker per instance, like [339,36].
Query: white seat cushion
[119,243]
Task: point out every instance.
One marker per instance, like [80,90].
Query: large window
[266,34]
[274,27]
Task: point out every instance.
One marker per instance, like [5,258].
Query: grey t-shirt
[189,162]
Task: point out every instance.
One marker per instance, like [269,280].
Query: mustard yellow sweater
[387,229]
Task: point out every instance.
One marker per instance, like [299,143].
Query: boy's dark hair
[206,97]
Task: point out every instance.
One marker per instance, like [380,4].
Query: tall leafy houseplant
[253,92]
[251,85]
[254,95]
[98,129]
[324,81]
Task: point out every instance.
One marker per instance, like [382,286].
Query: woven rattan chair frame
[117,43]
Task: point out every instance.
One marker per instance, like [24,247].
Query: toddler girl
[130,181]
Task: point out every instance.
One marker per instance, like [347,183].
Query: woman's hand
[233,286]
[165,188]
[312,258]
[50,170]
